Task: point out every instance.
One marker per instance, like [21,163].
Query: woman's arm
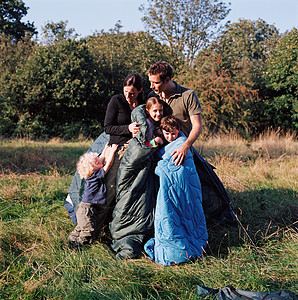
[111,125]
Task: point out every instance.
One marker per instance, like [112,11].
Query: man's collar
[178,89]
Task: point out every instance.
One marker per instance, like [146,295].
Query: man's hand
[180,154]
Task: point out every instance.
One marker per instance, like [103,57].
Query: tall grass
[36,263]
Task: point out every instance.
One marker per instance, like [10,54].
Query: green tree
[118,54]
[11,13]
[282,80]
[245,38]
[244,47]
[185,25]
[225,101]
[57,32]
[13,56]
[56,93]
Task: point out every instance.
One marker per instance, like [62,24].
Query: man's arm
[180,153]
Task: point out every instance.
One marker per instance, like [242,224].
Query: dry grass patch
[274,144]
[228,144]
[25,156]
[269,145]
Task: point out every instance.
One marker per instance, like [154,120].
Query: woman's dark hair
[136,81]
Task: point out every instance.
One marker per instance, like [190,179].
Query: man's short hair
[169,123]
[163,69]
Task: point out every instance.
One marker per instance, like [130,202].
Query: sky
[90,16]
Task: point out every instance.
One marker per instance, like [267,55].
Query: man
[183,102]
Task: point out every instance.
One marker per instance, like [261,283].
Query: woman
[118,125]
[117,121]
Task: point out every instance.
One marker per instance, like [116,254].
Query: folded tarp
[231,293]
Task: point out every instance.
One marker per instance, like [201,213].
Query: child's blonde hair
[86,164]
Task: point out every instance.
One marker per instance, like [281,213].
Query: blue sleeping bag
[180,231]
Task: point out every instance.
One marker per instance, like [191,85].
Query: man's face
[156,84]
[171,136]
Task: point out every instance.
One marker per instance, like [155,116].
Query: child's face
[171,136]
[155,112]
[98,163]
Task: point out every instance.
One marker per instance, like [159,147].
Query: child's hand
[105,149]
[114,147]
[158,140]
[126,144]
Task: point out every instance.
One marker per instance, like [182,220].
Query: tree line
[244,73]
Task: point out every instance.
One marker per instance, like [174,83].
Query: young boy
[180,232]
[93,169]
[170,127]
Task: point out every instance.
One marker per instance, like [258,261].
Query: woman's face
[131,93]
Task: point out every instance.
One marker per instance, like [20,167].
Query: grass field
[35,262]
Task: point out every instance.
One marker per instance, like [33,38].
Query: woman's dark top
[117,120]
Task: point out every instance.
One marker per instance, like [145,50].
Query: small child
[180,232]
[170,127]
[93,169]
[154,112]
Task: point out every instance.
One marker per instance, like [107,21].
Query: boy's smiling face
[172,135]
